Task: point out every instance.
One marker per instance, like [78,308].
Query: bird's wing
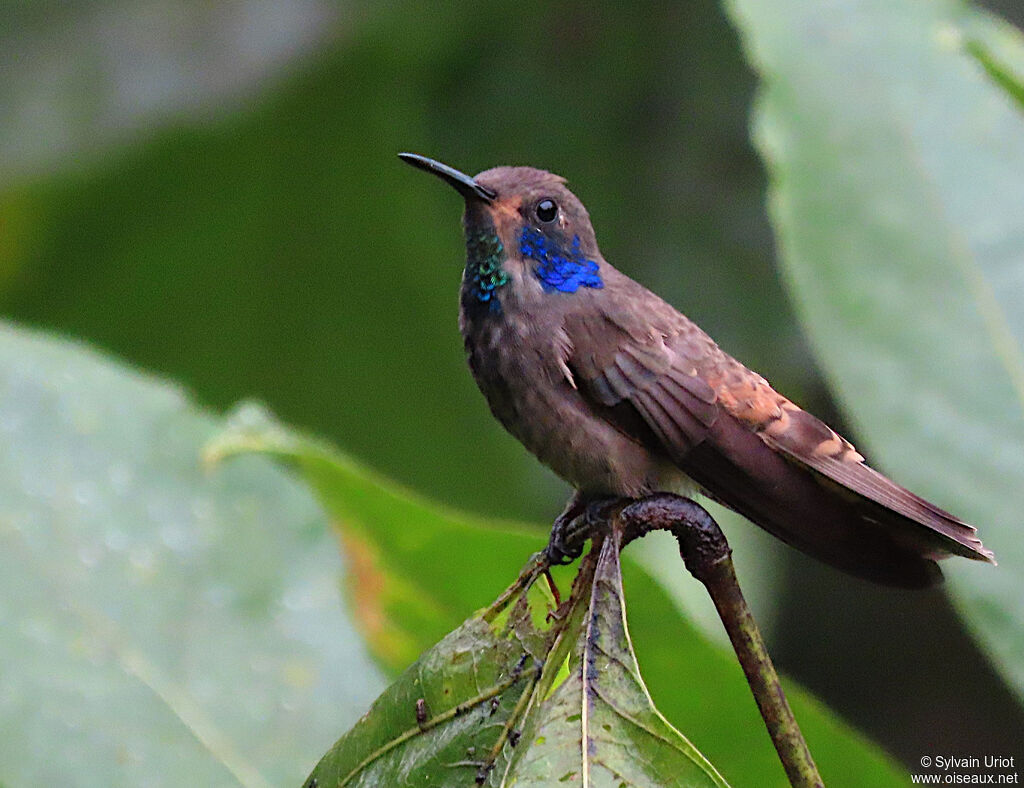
[754,450]
[625,374]
[809,442]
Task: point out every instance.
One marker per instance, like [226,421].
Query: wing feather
[847,468]
[757,452]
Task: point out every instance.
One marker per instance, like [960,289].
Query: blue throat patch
[558,269]
[484,274]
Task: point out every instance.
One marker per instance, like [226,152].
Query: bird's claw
[563,548]
[573,527]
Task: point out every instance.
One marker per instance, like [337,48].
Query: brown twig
[708,557]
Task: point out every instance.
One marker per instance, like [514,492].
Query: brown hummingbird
[622,395]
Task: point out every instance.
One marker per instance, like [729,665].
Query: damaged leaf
[497,703]
[600,726]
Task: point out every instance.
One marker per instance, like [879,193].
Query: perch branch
[708,557]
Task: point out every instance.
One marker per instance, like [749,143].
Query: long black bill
[463,184]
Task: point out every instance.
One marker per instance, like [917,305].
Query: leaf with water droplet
[161,625]
[417,567]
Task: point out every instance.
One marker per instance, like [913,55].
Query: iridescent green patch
[484,273]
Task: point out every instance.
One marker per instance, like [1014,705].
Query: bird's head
[527,235]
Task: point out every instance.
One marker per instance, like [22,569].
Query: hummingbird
[623,396]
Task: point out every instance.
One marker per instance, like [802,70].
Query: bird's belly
[530,394]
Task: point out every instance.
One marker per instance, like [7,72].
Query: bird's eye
[547,210]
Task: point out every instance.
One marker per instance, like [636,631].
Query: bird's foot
[572,528]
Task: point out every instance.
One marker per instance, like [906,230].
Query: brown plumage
[621,394]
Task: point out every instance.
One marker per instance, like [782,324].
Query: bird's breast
[520,366]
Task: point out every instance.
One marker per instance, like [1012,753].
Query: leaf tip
[251,428]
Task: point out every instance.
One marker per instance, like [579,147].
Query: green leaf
[600,726]
[498,701]
[446,564]
[442,717]
[416,568]
[998,47]
[161,626]
[897,166]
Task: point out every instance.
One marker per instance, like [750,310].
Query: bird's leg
[581,516]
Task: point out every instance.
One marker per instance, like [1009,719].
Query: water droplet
[159,510]
[142,558]
[38,485]
[80,418]
[261,663]
[250,415]
[70,722]
[11,421]
[218,595]
[178,537]
[121,477]
[23,520]
[84,493]
[948,37]
[202,509]
[298,598]
[39,630]
[299,674]
[90,555]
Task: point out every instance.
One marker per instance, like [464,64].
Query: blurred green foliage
[265,242]
[161,625]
